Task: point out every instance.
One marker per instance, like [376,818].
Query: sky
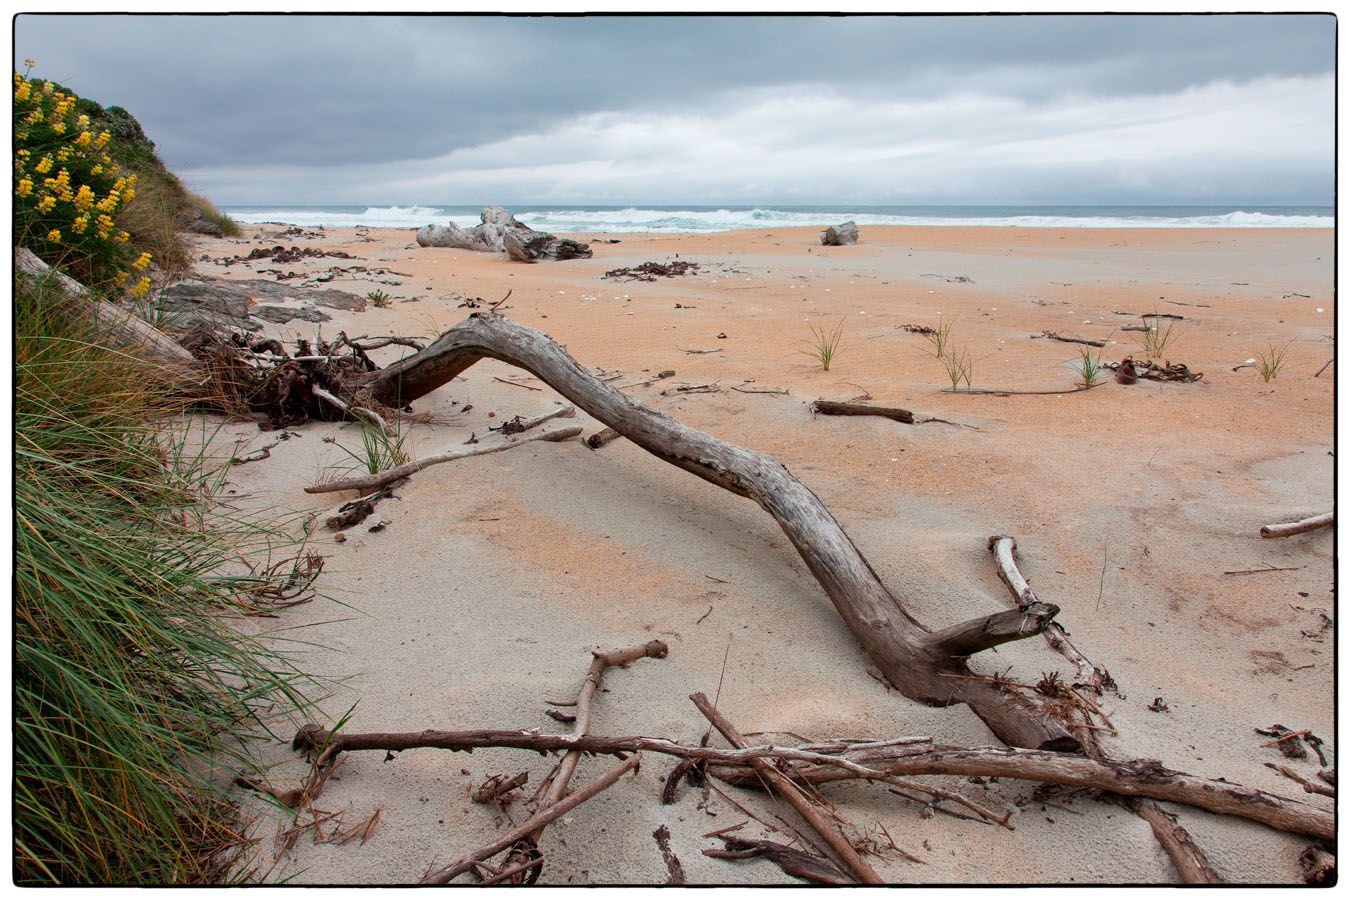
[353,110]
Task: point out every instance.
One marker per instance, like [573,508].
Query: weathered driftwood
[1133,778]
[533,246]
[1177,843]
[1285,529]
[838,235]
[840,408]
[389,476]
[533,824]
[903,649]
[122,327]
[1093,680]
[486,237]
[794,862]
[1130,778]
[601,438]
[601,663]
[662,837]
[785,788]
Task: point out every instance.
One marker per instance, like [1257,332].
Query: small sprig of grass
[959,366]
[1271,361]
[1089,368]
[940,337]
[379,451]
[824,345]
[379,299]
[1158,336]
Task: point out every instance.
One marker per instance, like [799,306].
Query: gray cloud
[287,104]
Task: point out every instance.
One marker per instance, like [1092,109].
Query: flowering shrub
[68,190]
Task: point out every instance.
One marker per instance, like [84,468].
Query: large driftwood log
[487,237]
[533,246]
[837,235]
[908,654]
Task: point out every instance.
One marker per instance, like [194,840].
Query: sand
[496,576]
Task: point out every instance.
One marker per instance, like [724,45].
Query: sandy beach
[497,576]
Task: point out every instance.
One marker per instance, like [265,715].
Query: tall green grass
[131,688]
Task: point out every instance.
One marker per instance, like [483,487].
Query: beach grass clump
[959,365]
[228,226]
[940,336]
[68,189]
[823,345]
[380,299]
[380,450]
[1089,368]
[1271,361]
[131,689]
[1156,337]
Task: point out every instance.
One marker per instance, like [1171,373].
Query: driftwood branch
[794,862]
[1177,843]
[601,663]
[790,792]
[1136,778]
[1285,529]
[900,646]
[533,824]
[839,408]
[1070,339]
[389,476]
[995,629]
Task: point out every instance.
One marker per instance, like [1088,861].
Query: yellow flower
[54,234]
[96,169]
[102,139]
[80,224]
[25,187]
[83,120]
[46,204]
[85,198]
[141,286]
[23,92]
[141,261]
[59,127]
[84,138]
[123,237]
[47,88]
[44,165]
[130,195]
[119,278]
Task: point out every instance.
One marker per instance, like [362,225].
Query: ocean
[565,219]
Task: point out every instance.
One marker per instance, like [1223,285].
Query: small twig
[1284,737]
[727,829]
[527,387]
[1268,568]
[1324,368]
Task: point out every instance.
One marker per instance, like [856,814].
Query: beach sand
[497,576]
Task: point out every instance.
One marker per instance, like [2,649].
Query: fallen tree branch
[601,438]
[534,823]
[1285,529]
[794,796]
[997,628]
[1136,778]
[900,646]
[380,479]
[1000,392]
[837,408]
[1177,843]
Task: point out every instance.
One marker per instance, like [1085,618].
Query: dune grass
[130,687]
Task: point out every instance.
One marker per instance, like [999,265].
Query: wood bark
[1285,529]
[1319,865]
[901,647]
[785,788]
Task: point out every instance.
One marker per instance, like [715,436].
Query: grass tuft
[1155,340]
[130,685]
[823,345]
[380,299]
[1271,361]
[1089,368]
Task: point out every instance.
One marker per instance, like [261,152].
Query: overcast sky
[470,110]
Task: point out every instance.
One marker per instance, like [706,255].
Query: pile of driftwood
[1053,727]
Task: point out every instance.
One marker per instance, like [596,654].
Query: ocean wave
[702,221]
